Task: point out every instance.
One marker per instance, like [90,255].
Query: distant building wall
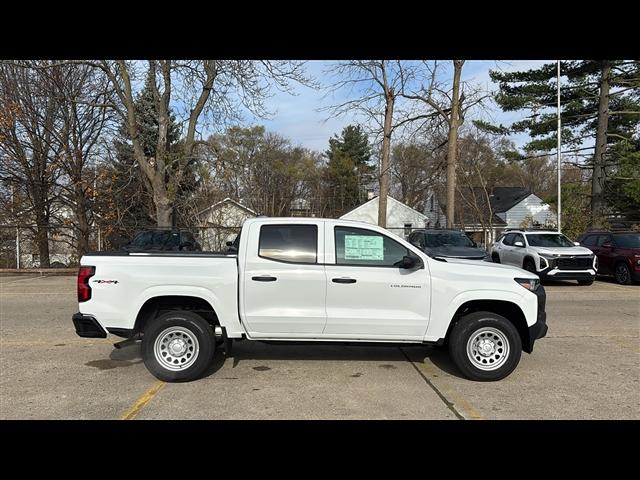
[531,208]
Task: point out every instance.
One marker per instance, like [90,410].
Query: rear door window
[508,239]
[289,243]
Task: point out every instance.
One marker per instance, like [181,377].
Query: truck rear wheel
[178,346]
[485,346]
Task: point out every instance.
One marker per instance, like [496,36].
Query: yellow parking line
[47,343]
[38,293]
[142,401]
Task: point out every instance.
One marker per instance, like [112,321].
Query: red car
[618,254]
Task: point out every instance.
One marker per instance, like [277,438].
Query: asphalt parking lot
[588,367]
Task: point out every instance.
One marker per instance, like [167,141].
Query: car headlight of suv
[530,284]
[544,263]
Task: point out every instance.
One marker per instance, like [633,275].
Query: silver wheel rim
[488,348]
[176,348]
[621,271]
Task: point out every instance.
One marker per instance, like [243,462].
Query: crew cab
[313,280]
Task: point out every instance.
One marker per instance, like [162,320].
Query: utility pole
[558,166]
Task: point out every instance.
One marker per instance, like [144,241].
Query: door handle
[264,278]
[343,280]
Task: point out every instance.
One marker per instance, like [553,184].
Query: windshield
[548,240]
[434,240]
[628,241]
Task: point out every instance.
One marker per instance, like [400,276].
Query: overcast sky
[297,117]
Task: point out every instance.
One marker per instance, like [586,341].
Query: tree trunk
[384,170]
[82,245]
[42,239]
[164,206]
[452,143]
[598,178]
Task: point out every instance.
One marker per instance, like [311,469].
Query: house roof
[389,197]
[505,198]
[229,200]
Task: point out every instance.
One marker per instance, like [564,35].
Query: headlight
[544,263]
[531,284]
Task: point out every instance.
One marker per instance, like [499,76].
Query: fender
[225,310]
[438,325]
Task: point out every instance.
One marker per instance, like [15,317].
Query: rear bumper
[87,326]
[540,328]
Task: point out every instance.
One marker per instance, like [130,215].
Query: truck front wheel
[178,346]
[485,346]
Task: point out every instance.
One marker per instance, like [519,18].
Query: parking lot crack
[442,397]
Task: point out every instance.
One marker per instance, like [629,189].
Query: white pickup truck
[309,279]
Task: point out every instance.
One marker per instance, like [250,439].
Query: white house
[221,222]
[519,208]
[401,219]
[511,207]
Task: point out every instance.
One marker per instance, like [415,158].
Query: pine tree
[600,106]
[348,169]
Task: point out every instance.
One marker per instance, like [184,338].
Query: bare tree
[82,94]
[211,90]
[29,152]
[450,106]
[416,168]
[378,84]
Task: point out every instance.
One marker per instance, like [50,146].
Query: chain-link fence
[21,246]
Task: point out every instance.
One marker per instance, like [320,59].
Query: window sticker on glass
[363,247]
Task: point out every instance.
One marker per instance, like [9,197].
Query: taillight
[84,290]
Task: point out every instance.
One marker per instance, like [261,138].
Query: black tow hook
[129,341]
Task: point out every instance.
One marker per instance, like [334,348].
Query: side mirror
[577,244]
[607,245]
[409,262]
[518,244]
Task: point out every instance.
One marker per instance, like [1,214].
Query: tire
[495,257]
[585,282]
[623,274]
[530,266]
[498,334]
[192,350]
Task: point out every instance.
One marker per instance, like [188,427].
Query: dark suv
[163,240]
[447,243]
[618,253]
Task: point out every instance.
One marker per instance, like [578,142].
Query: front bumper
[556,274]
[553,269]
[540,328]
[87,326]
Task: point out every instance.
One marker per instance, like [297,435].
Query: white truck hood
[495,267]
[562,250]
